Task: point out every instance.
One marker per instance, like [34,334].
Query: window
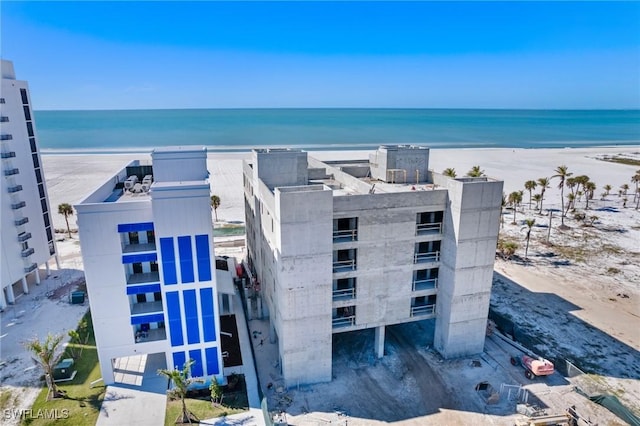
[345,229]
[157,296]
[50,237]
[36,162]
[25,245]
[154,266]
[151,237]
[133,238]
[32,142]
[30,129]
[137,268]
[25,98]
[47,223]
[27,113]
[41,189]
[43,204]
[38,175]
[141,298]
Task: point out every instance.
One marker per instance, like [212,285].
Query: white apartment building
[339,246]
[147,244]
[27,229]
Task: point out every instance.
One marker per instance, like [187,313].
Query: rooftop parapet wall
[180,163]
[286,167]
[390,160]
[345,179]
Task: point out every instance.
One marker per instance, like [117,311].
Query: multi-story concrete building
[27,229]
[147,245]
[347,245]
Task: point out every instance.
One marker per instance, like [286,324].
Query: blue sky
[128,55]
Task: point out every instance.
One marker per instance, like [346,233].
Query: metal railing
[428,284]
[132,248]
[4,119]
[428,228]
[15,188]
[349,293]
[24,237]
[433,256]
[5,137]
[345,235]
[143,277]
[146,307]
[21,221]
[344,265]
[151,335]
[31,268]
[344,321]
[9,172]
[423,310]
[8,154]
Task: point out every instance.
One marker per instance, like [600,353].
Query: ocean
[332,129]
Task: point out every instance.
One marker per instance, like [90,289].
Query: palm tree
[562,174]
[636,179]
[544,184]
[571,183]
[538,199]
[66,210]
[624,188]
[530,185]
[215,203]
[607,189]
[46,354]
[449,172]
[181,381]
[589,188]
[515,198]
[475,172]
[528,224]
[571,198]
[503,205]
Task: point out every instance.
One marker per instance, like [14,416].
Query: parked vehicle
[533,367]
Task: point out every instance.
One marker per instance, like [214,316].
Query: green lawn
[82,403]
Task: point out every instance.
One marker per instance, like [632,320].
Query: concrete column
[259,302]
[46,265]
[230,299]
[37,274]
[272,332]
[25,287]
[57,262]
[379,341]
[3,301]
[11,298]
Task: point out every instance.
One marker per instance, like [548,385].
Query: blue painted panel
[186,259]
[142,257]
[196,368]
[208,319]
[135,227]
[146,319]
[145,288]
[191,316]
[203,257]
[168,261]
[179,360]
[212,360]
[175,320]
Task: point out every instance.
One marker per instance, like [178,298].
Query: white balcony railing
[345,235]
[146,307]
[151,335]
[344,321]
[133,248]
[423,310]
[433,256]
[348,293]
[431,283]
[428,228]
[344,265]
[143,277]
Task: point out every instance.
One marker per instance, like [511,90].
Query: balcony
[433,256]
[11,172]
[19,205]
[424,310]
[151,335]
[146,307]
[24,237]
[429,228]
[427,284]
[143,277]
[15,188]
[346,294]
[343,322]
[6,137]
[4,119]
[344,265]
[22,221]
[133,248]
[27,252]
[8,154]
[31,268]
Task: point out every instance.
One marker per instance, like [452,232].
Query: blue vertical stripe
[203,257]
[212,360]
[191,316]
[179,360]
[208,318]
[175,321]
[168,261]
[196,368]
[186,259]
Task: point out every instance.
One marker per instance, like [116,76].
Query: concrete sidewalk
[128,406]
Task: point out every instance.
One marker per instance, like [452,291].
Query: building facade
[348,245]
[147,245]
[27,229]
